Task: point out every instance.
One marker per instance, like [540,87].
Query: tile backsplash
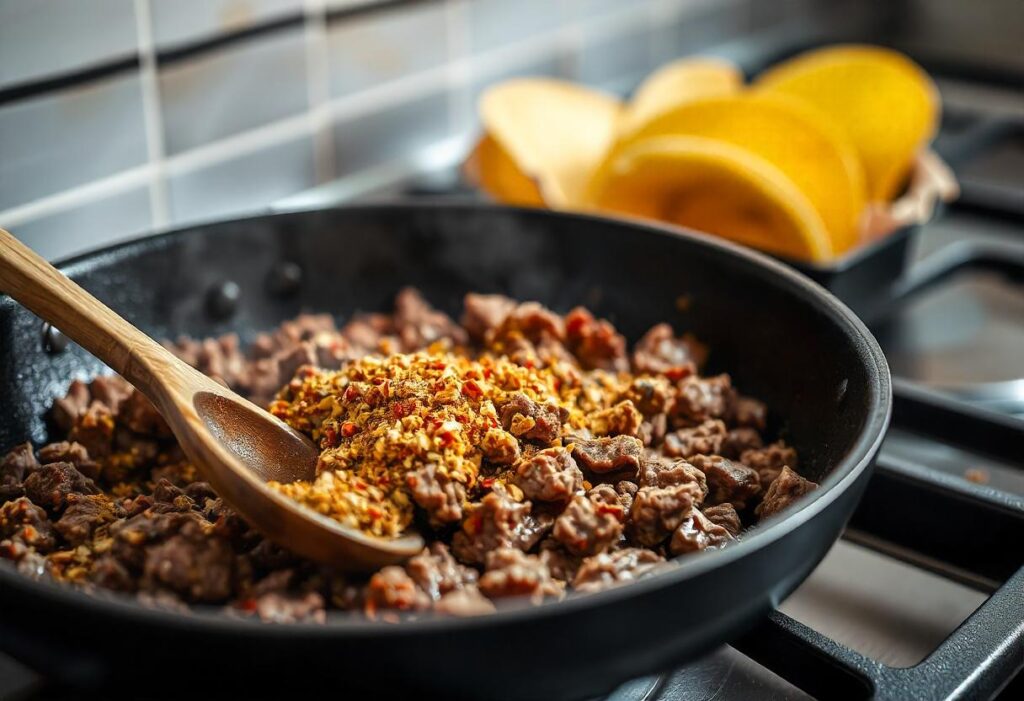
[119,117]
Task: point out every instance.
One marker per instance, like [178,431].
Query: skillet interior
[781,338]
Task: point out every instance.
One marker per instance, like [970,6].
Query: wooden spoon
[236,445]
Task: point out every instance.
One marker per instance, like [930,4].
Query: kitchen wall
[125,116]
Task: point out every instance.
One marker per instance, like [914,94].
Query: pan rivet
[53,340]
[284,279]
[222,299]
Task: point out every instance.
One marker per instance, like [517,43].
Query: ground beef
[511,572]
[588,526]
[437,493]
[728,481]
[769,461]
[626,492]
[50,485]
[393,588]
[652,432]
[700,399]
[191,564]
[696,533]
[618,567]
[531,321]
[725,515]
[94,429]
[595,342]
[84,514]
[497,521]
[548,475]
[139,415]
[787,488]
[23,522]
[658,472]
[603,455]
[369,333]
[660,352]
[525,418]
[74,453]
[657,511]
[482,314]
[467,601]
[739,440]
[110,391]
[703,439]
[67,409]
[437,573]
[418,324]
[623,419]
[747,412]
[297,607]
[13,468]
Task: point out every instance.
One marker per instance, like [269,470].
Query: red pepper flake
[488,373]
[678,372]
[248,605]
[349,429]
[472,390]
[615,510]
[374,513]
[352,393]
[487,482]
[447,438]
[403,409]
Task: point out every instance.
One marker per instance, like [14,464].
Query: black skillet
[782,338]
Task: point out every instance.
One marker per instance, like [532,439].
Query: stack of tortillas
[818,155]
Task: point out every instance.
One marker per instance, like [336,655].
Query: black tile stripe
[36,88]
[369,8]
[69,79]
[188,50]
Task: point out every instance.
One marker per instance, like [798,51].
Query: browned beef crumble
[676,463]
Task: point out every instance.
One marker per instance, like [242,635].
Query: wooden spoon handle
[40,287]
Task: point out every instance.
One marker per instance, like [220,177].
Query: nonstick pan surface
[782,338]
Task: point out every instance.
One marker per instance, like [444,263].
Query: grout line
[240,144]
[152,115]
[77,196]
[318,83]
[461,73]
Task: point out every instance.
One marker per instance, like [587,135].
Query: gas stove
[923,597]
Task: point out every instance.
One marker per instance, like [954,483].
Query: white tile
[235,88]
[374,47]
[57,141]
[241,185]
[494,23]
[39,38]
[89,226]
[183,21]
[382,137]
[611,61]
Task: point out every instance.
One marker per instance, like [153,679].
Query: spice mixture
[535,453]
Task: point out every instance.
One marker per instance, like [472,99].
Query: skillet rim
[840,478]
